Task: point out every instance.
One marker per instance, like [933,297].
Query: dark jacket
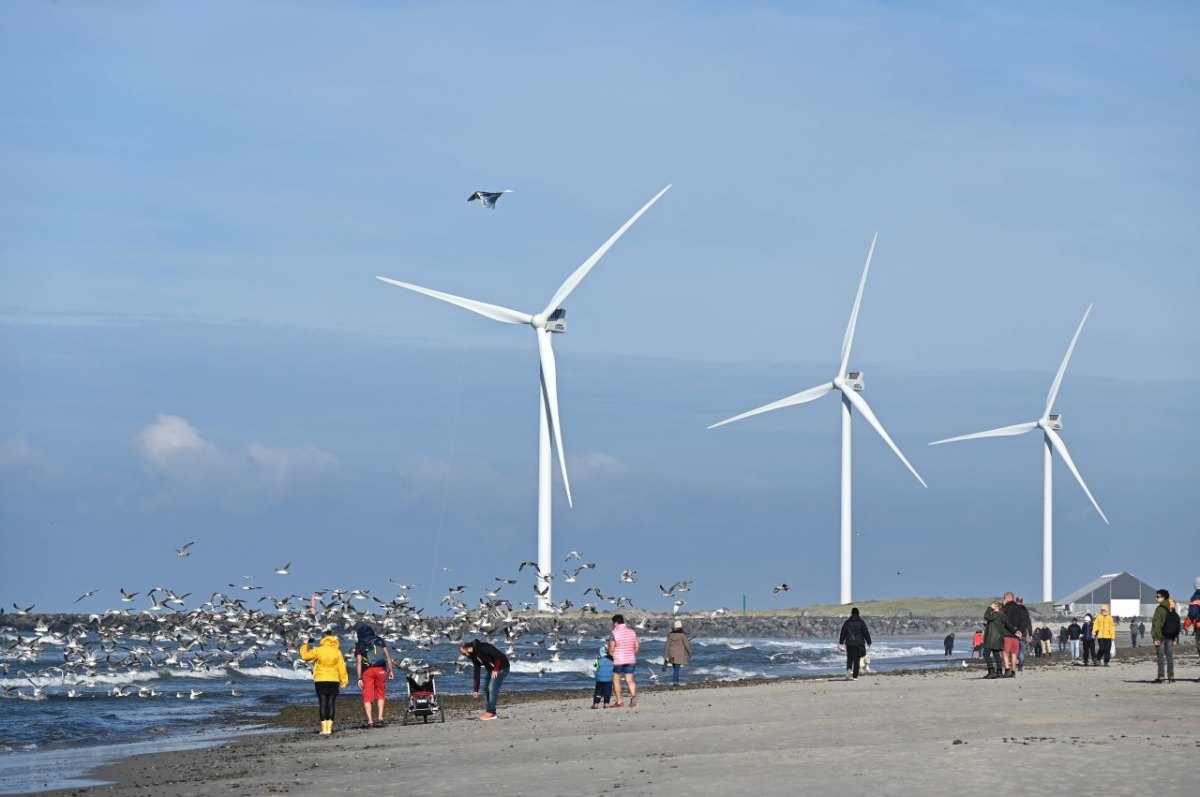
[854,632]
[1193,612]
[489,656]
[995,629]
[1018,619]
[1074,631]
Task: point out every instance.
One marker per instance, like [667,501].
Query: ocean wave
[580,666]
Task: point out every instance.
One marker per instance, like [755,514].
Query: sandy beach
[934,732]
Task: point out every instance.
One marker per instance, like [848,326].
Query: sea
[55,726]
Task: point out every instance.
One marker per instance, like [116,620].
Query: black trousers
[1089,649]
[854,654]
[1105,651]
[327,695]
[603,692]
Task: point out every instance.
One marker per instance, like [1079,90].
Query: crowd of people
[1007,637]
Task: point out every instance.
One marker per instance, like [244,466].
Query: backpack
[1170,626]
[371,651]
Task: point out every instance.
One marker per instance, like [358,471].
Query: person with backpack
[1164,630]
[373,661]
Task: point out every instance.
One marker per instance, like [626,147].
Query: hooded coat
[679,649]
[996,629]
[1104,628]
[330,663]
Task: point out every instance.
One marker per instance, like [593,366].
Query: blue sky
[195,201]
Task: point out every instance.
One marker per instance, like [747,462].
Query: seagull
[679,604]
[127,597]
[195,694]
[629,576]
[653,675]
[667,592]
[184,550]
[573,555]
[402,586]
[488,198]
[86,595]
[26,610]
[283,571]
[781,588]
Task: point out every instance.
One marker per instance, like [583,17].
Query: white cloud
[281,466]
[171,439]
[17,456]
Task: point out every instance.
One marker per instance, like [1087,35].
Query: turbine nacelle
[1053,422]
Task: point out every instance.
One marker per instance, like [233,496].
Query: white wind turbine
[850,383]
[1049,424]
[551,319]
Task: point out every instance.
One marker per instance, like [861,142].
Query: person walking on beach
[495,667]
[1075,637]
[948,644]
[1047,640]
[604,678]
[1025,626]
[329,675]
[1089,640]
[678,651]
[994,636]
[977,644]
[854,639]
[623,646]
[1106,635]
[1164,630]
[1133,633]
[373,661]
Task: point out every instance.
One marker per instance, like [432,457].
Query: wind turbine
[552,319]
[850,383]
[1050,424]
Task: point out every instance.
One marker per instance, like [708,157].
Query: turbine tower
[551,319]
[850,384]
[1050,424]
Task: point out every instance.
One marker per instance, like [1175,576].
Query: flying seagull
[184,550]
[488,198]
[776,590]
[86,595]
[283,571]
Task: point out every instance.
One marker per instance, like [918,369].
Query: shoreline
[255,764]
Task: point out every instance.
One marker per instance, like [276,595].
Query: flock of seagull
[228,631]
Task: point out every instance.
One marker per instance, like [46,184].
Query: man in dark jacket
[1014,618]
[1025,625]
[1075,637]
[854,639]
[495,666]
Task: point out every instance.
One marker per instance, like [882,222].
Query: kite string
[437,544]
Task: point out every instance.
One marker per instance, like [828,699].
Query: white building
[1122,594]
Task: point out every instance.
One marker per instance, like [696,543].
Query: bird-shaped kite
[488,198]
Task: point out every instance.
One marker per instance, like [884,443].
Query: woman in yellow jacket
[1106,634]
[329,673]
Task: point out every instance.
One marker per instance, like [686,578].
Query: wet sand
[1053,728]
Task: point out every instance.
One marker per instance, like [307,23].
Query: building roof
[1118,586]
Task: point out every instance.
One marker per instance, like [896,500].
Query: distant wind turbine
[551,319]
[1050,424]
[850,383]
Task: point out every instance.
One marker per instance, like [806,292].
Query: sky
[195,201]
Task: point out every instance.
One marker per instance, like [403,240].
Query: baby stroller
[422,696]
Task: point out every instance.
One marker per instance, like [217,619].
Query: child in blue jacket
[604,678]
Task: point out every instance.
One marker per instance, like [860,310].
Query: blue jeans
[1021,654]
[1074,649]
[491,688]
[675,674]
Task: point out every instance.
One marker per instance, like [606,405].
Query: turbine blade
[1062,369]
[550,394]
[1061,448]
[572,281]
[848,340]
[1004,431]
[860,404]
[802,397]
[492,311]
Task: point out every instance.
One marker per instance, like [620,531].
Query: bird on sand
[184,550]
[488,198]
